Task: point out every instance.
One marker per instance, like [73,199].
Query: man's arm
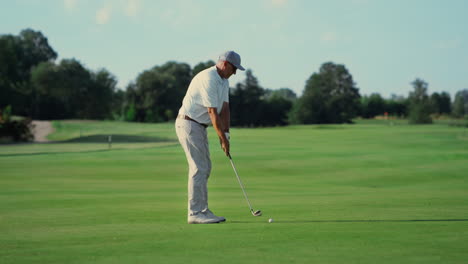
[218,125]
[226,116]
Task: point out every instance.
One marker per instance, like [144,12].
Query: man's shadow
[302,221]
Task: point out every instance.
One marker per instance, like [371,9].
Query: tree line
[35,85]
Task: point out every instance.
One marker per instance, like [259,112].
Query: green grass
[367,193]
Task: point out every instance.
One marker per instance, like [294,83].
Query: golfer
[206,102]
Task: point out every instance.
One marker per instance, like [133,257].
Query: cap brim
[240,67]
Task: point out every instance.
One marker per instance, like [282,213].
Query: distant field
[80,136]
[373,192]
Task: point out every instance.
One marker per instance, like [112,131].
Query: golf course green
[371,192]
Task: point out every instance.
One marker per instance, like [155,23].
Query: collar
[218,77]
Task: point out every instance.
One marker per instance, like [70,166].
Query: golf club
[254,213]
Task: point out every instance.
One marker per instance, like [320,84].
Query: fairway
[364,193]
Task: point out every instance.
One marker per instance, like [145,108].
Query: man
[206,102]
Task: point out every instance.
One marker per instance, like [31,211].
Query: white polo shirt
[207,89]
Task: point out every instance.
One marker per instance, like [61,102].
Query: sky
[384,44]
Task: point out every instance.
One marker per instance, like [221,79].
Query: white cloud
[103,15]
[132,8]
[129,8]
[70,5]
[182,14]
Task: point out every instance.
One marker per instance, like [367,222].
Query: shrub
[15,130]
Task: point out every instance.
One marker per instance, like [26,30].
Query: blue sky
[384,44]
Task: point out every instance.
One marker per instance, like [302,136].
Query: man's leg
[194,141]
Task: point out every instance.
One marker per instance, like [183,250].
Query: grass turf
[361,193]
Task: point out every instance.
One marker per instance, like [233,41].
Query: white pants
[194,140]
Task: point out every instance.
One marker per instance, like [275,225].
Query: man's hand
[225,146]
[226,134]
[219,127]
[228,137]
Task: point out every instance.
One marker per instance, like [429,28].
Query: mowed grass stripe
[363,193]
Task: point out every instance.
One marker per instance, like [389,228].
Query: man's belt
[190,119]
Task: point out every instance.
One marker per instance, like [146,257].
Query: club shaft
[240,183]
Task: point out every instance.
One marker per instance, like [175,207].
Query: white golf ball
[270,220]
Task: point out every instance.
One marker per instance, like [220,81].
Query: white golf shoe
[202,218]
[210,214]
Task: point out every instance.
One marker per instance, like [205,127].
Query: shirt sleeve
[209,93]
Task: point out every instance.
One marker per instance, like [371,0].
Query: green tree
[441,103]
[51,102]
[397,106]
[69,82]
[69,90]
[445,103]
[158,92]
[372,105]
[18,55]
[117,105]
[99,95]
[130,99]
[37,87]
[276,109]
[34,48]
[8,70]
[330,96]
[460,105]
[284,93]
[419,103]
[246,102]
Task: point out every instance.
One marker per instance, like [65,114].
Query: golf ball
[270,220]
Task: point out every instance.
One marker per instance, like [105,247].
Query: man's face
[230,69]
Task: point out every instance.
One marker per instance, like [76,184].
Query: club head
[257,213]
